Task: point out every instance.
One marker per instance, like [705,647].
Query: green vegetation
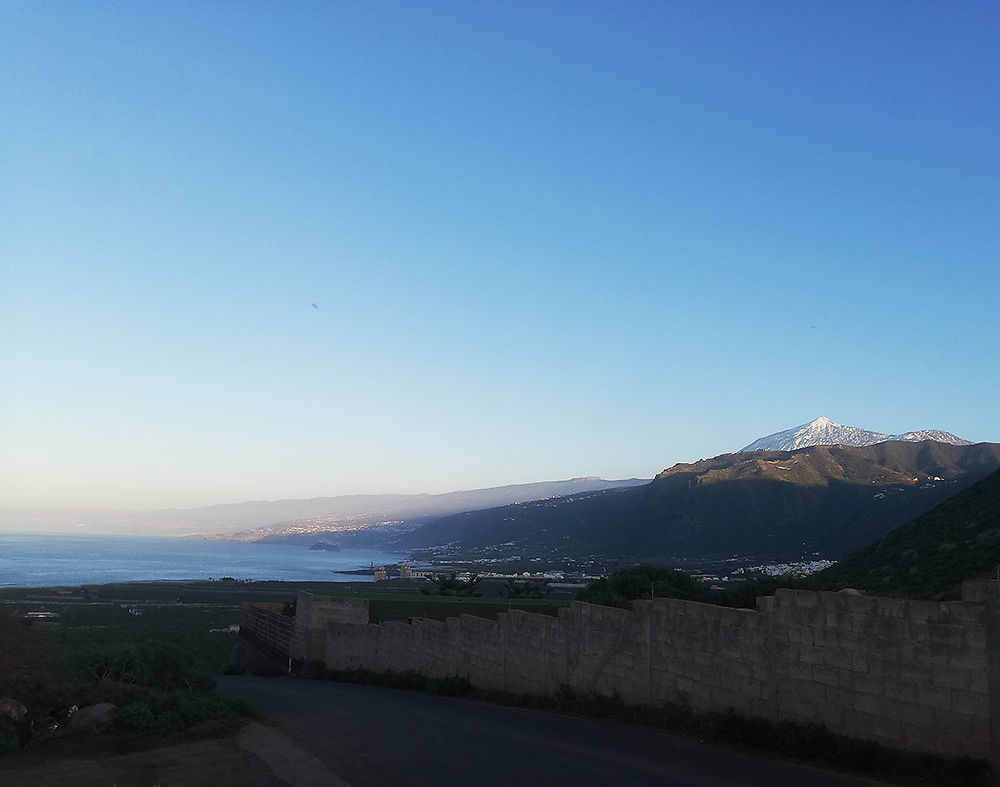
[526,589]
[645,581]
[744,594]
[157,713]
[150,648]
[933,554]
[141,647]
[451,585]
[153,682]
[927,558]
[642,581]
[800,741]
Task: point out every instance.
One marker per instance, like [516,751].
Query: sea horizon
[55,559]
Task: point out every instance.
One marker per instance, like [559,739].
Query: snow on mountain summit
[823,431]
[932,434]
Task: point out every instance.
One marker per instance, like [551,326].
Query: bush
[194,708]
[643,581]
[157,665]
[178,711]
[136,717]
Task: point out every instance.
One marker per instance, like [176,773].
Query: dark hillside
[930,556]
[776,505]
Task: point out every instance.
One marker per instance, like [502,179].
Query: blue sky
[545,239]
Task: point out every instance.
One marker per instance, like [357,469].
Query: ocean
[50,559]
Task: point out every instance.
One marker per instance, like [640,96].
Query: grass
[807,742]
[160,713]
[151,647]
[156,665]
[48,669]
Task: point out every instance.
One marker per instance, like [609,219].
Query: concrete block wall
[312,614]
[901,672]
[709,657]
[918,675]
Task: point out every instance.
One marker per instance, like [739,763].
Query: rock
[97,715]
[325,546]
[14,721]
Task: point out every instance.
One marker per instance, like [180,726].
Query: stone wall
[312,614]
[912,674]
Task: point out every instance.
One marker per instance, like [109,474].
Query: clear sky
[543,239]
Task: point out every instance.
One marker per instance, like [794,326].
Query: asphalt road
[364,735]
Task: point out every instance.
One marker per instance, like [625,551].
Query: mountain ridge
[823,431]
[253,520]
[829,500]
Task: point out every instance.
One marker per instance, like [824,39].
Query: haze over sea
[31,560]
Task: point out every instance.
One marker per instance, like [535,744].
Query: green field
[151,647]
[196,616]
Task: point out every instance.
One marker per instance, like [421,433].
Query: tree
[526,589]
[642,581]
[451,585]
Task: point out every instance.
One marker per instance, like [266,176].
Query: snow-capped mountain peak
[823,431]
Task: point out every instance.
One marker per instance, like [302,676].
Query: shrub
[136,717]
[157,665]
[179,710]
[643,581]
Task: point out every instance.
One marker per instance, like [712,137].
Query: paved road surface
[363,735]
[320,734]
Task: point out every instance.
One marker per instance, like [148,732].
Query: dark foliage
[451,585]
[157,713]
[933,554]
[744,594]
[156,665]
[526,589]
[777,505]
[152,661]
[643,581]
